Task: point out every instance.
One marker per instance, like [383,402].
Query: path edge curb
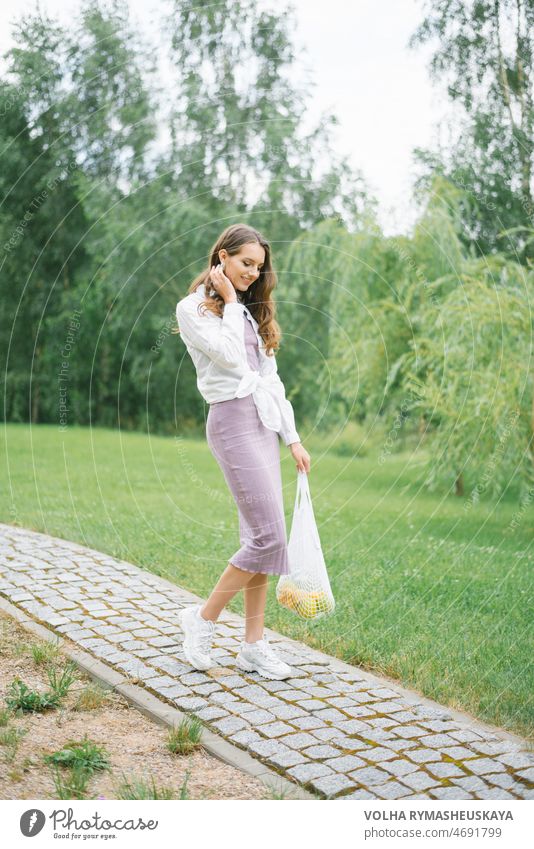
[156,710]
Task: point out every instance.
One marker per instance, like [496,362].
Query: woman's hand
[222,284]
[301,456]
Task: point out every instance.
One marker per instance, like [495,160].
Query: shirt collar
[201,291]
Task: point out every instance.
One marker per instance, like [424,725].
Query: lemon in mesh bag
[306,589]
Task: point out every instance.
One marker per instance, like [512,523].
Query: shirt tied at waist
[267,392]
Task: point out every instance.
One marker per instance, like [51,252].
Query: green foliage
[140,788]
[21,698]
[85,755]
[185,737]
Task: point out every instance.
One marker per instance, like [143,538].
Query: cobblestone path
[332,728]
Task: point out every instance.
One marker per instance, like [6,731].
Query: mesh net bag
[306,589]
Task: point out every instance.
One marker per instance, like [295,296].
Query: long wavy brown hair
[258,296]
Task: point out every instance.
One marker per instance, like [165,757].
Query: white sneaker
[198,636]
[260,657]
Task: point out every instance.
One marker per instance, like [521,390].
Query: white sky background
[356,53]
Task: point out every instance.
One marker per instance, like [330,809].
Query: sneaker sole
[243,664]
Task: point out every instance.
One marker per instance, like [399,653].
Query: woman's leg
[255,598]
[231,581]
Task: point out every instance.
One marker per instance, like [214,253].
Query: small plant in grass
[44,652]
[23,700]
[71,784]
[80,755]
[91,697]
[60,682]
[9,741]
[5,716]
[185,737]
[138,788]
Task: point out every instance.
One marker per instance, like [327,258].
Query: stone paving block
[481,766]
[330,785]
[527,774]
[380,722]
[159,642]
[330,714]
[286,758]
[129,645]
[457,753]
[390,707]
[275,686]
[494,793]
[399,768]
[420,780]
[288,712]
[162,681]
[145,632]
[311,704]
[401,745]
[172,666]
[378,754]
[320,752]
[305,723]
[357,711]
[491,749]
[291,695]
[439,725]
[504,780]
[517,760]
[408,731]
[273,729]
[391,790]
[117,657]
[171,692]
[378,735]
[255,716]
[310,771]
[190,702]
[524,793]
[328,732]
[449,793]
[438,741]
[445,770]
[352,726]
[266,747]
[206,689]
[234,682]
[340,701]
[471,783]
[230,724]
[344,763]
[298,740]
[244,737]
[357,794]
[369,775]
[210,712]
[223,698]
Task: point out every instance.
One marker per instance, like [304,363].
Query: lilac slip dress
[249,456]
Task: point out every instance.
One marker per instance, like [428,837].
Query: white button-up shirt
[217,347]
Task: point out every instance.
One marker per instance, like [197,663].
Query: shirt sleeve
[221,340]
[288,431]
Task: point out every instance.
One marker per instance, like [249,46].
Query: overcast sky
[357,54]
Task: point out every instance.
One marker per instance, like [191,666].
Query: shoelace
[204,638]
[267,650]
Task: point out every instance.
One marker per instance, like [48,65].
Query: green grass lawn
[434,595]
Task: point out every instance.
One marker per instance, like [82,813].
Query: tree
[485,54]
[236,124]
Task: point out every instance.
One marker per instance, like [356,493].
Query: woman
[227,324]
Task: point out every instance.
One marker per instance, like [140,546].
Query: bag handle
[303,490]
